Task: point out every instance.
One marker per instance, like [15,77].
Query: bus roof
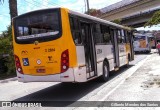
[143,34]
[36,11]
[82,15]
[99,20]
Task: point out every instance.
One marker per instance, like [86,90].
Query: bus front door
[89,48]
[115,48]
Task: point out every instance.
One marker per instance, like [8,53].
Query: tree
[94,12]
[154,20]
[6,41]
[13,8]
[6,49]
[117,21]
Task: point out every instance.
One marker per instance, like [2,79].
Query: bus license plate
[40,70]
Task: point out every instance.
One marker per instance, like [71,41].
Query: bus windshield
[42,26]
[137,38]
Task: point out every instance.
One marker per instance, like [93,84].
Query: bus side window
[20,31]
[123,36]
[106,34]
[75,29]
[97,34]
[112,35]
[120,40]
[127,36]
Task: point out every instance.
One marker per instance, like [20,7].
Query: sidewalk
[143,85]
[8,79]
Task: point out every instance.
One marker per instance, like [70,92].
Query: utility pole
[88,6]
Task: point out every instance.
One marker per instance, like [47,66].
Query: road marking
[131,71]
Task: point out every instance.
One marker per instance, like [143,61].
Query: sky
[155,27]
[30,5]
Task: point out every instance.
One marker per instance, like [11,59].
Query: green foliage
[154,20]
[4,45]
[94,12]
[90,11]
[6,49]
[117,21]
[10,65]
[6,42]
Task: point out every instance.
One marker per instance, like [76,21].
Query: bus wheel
[148,51]
[105,75]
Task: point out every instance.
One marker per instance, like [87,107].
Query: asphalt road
[51,91]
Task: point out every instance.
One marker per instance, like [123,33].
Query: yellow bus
[61,45]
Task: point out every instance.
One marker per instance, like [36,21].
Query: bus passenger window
[26,31]
[106,34]
[34,30]
[75,29]
[77,38]
[20,31]
[123,36]
[107,38]
[119,37]
[111,31]
[97,34]
[126,36]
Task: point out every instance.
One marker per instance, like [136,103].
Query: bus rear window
[38,26]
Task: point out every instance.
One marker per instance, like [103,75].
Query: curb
[9,79]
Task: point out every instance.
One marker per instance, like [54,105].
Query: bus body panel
[80,70]
[122,54]
[67,76]
[128,52]
[68,38]
[102,52]
[36,61]
[80,56]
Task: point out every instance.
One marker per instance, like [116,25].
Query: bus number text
[50,50]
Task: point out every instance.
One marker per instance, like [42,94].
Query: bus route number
[50,50]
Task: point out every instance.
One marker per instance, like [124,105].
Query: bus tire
[105,75]
[148,52]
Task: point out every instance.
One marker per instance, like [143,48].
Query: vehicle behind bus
[142,43]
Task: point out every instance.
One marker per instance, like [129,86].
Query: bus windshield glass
[38,26]
[137,38]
